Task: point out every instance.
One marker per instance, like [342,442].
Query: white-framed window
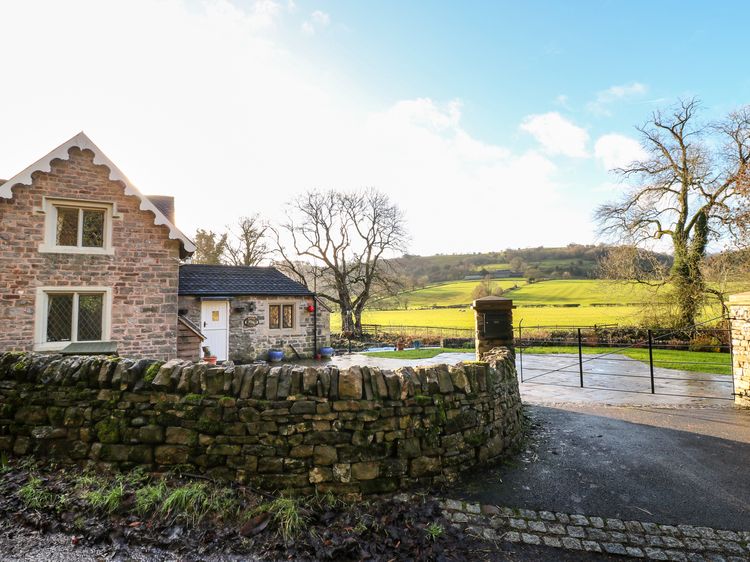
[77,227]
[281,316]
[72,314]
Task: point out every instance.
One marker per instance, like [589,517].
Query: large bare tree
[338,243]
[687,192]
[209,247]
[246,244]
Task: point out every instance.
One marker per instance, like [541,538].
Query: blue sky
[492,123]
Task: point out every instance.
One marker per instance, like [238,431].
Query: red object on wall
[310,308]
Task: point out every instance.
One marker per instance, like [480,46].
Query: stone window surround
[295,317]
[40,324]
[49,210]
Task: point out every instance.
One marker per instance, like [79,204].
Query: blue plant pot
[275,356]
[326,351]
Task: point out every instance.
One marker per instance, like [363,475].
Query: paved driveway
[675,466]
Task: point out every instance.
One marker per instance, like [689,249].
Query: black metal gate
[695,362]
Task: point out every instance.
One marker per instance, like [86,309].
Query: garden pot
[274,356]
[210,359]
[326,352]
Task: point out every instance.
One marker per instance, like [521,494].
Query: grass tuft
[106,497]
[288,515]
[149,497]
[190,502]
[433,531]
[34,495]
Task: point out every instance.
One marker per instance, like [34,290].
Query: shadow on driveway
[665,466]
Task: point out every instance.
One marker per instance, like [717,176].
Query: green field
[574,291]
[584,292]
[545,303]
[422,353]
[494,267]
[444,294]
[464,317]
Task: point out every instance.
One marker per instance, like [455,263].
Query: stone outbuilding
[244,312]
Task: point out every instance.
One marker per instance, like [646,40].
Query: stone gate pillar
[494,324]
[739,313]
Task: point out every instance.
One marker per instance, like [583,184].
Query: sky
[491,124]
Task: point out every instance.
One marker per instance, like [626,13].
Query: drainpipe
[315,326]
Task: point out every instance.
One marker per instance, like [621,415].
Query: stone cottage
[246,311]
[88,264]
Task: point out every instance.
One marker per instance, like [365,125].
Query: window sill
[76,250]
[62,345]
[52,346]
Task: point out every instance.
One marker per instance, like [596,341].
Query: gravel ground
[24,545]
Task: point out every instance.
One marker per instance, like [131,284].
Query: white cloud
[210,106]
[320,18]
[317,21]
[615,150]
[563,101]
[613,94]
[557,134]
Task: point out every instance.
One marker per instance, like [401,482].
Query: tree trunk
[688,285]
[358,323]
[347,322]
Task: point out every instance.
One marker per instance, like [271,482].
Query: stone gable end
[142,271]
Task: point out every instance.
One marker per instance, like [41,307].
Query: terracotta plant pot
[210,359]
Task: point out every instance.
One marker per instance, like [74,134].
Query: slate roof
[226,280]
[165,203]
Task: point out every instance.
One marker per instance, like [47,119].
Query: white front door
[215,326]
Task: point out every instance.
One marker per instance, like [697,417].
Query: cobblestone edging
[637,539]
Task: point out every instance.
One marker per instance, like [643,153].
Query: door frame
[226,305]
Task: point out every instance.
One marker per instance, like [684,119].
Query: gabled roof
[228,280]
[44,164]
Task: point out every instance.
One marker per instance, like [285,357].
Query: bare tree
[210,247]
[246,244]
[338,245]
[687,192]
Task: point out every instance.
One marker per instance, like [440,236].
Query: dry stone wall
[354,431]
[739,308]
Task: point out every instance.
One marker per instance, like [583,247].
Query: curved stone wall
[359,430]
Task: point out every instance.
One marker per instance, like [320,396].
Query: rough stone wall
[250,338]
[143,272]
[740,314]
[304,429]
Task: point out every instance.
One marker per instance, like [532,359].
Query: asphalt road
[679,466]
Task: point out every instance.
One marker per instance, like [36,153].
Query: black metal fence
[378,331]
